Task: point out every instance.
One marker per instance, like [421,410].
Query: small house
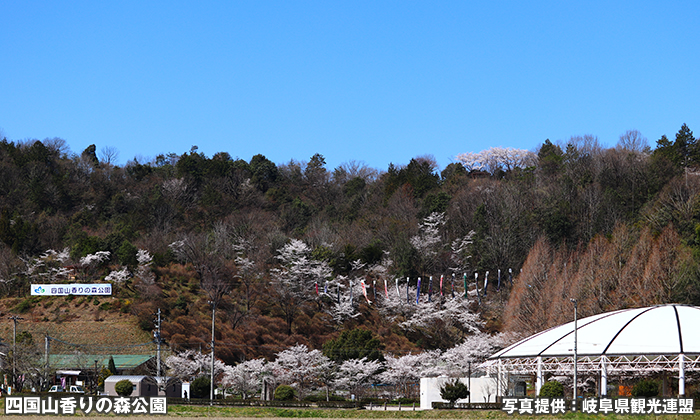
[144,386]
[87,364]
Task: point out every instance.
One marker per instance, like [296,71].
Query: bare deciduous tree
[633,141]
[109,155]
[200,250]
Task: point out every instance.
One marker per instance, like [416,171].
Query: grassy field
[198,412]
[258,412]
[320,413]
[78,321]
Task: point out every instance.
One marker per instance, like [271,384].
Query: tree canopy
[300,253]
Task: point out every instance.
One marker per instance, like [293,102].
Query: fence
[467,406]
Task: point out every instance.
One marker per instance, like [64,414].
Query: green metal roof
[87,361]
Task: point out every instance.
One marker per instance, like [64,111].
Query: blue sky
[373,81]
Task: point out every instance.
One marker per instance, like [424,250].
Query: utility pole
[575,302]
[14,319]
[213,321]
[47,341]
[156,335]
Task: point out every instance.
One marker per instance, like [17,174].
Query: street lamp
[575,302]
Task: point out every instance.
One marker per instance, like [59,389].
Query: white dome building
[664,338]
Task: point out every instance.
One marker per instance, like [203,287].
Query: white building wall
[483,389]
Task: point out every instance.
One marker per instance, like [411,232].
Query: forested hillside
[293,253]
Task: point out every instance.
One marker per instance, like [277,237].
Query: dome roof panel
[689,317]
[650,330]
[549,341]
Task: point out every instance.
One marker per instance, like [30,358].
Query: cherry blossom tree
[497,159]
[191,364]
[145,260]
[460,253]
[143,271]
[448,319]
[90,262]
[245,378]
[247,274]
[381,269]
[118,276]
[94,259]
[299,367]
[474,349]
[355,374]
[452,312]
[146,279]
[326,375]
[445,312]
[396,306]
[344,304]
[296,261]
[49,266]
[472,161]
[293,282]
[403,371]
[429,240]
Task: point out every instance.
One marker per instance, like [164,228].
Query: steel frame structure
[604,365]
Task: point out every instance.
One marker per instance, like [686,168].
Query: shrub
[552,389]
[125,306]
[321,397]
[145,324]
[646,388]
[200,387]
[23,306]
[124,388]
[25,337]
[284,393]
[454,390]
[181,303]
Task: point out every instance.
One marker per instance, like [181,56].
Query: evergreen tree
[686,147]
[454,390]
[354,344]
[111,366]
[550,157]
